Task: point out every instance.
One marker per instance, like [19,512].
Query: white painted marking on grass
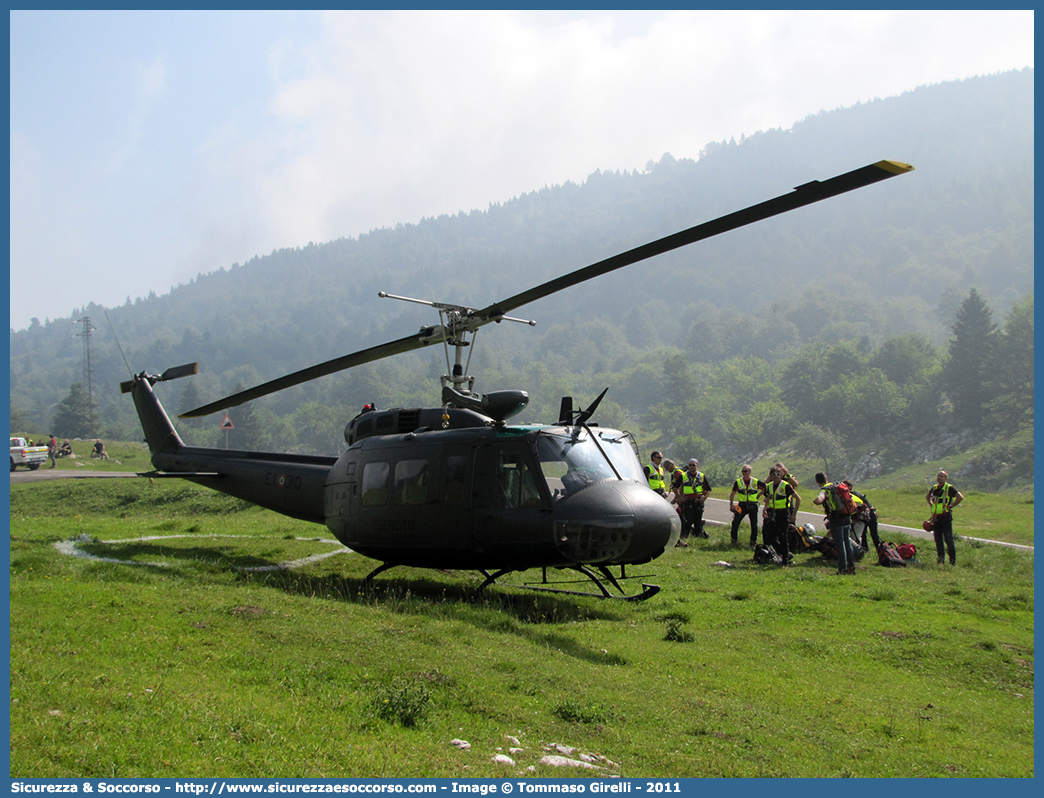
[72,548]
[285,566]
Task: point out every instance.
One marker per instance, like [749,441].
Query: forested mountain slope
[892,259]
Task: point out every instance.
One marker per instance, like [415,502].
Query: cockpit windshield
[571,459]
[623,451]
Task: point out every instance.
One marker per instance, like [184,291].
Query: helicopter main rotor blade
[473,319]
[426,336]
[799,197]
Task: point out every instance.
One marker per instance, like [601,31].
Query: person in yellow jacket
[840,523]
[942,498]
[866,514]
[691,494]
[654,474]
[672,477]
[747,490]
[781,508]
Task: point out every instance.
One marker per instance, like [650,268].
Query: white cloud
[396,115]
[151,79]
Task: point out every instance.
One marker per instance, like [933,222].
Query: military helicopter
[457,487]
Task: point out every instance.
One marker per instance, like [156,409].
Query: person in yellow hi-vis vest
[746,492]
[942,498]
[672,477]
[691,494]
[840,522]
[781,508]
[654,474]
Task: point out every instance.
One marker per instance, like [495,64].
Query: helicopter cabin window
[516,486]
[455,468]
[411,482]
[375,484]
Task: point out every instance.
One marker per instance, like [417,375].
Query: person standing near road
[942,497]
[840,524]
[654,474]
[693,493]
[866,513]
[746,492]
[672,478]
[52,450]
[781,509]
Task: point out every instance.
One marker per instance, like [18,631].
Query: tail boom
[292,485]
[289,484]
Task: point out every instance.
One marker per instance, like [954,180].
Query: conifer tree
[967,374]
[248,426]
[20,420]
[1012,372]
[74,417]
[192,430]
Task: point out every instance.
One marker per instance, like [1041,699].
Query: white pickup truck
[23,454]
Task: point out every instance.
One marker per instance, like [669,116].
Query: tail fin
[159,431]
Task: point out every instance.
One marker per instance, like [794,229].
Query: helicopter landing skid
[491,579]
[368,579]
[648,592]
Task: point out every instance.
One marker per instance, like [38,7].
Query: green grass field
[175,653]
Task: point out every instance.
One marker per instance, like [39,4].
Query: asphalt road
[716,512]
[23,475]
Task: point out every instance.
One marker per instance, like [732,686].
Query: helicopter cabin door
[513,517]
[454,496]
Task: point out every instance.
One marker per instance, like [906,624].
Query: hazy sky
[148,147]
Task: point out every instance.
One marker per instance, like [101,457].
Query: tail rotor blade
[179,371]
[170,374]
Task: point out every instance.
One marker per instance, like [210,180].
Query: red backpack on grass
[888,556]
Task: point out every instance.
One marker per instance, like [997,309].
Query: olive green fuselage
[481,497]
